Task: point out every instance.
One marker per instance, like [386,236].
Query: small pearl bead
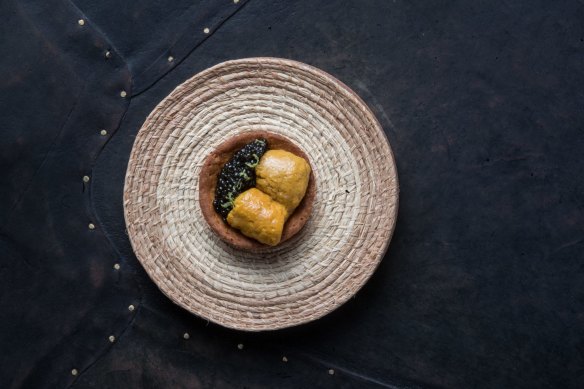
[240,346]
[117,266]
[206,30]
[186,335]
[123,93]
[331,371]
[91,226]
[131,308]
[108,54]
[85,178]
[112,338]
[81,22]
[284,359]
[170,58]
[103,132]
[74,372]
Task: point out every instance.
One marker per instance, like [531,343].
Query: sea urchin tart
[258,216]
[284,177]
[208,184]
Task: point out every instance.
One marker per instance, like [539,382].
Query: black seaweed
[238,175]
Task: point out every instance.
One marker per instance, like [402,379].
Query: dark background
[483,103]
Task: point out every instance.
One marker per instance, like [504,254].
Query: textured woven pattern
[317,270]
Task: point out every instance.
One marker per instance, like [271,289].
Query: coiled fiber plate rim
[353,215]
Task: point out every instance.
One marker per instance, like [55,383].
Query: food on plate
[231,169]
[257,216]
[284,177]
[259,188]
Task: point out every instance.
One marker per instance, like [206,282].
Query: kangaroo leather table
[482,284]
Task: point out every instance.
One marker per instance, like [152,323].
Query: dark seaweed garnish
[238,175]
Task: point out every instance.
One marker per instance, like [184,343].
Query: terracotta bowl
[208,181]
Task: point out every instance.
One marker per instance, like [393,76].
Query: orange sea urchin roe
[257,216]
[284,177]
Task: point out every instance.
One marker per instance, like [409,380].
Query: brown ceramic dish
[208,181]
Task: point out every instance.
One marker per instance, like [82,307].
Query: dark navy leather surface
[482,284]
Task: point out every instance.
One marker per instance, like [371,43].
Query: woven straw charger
[304,278]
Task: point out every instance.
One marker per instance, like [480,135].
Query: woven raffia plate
[353,214]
